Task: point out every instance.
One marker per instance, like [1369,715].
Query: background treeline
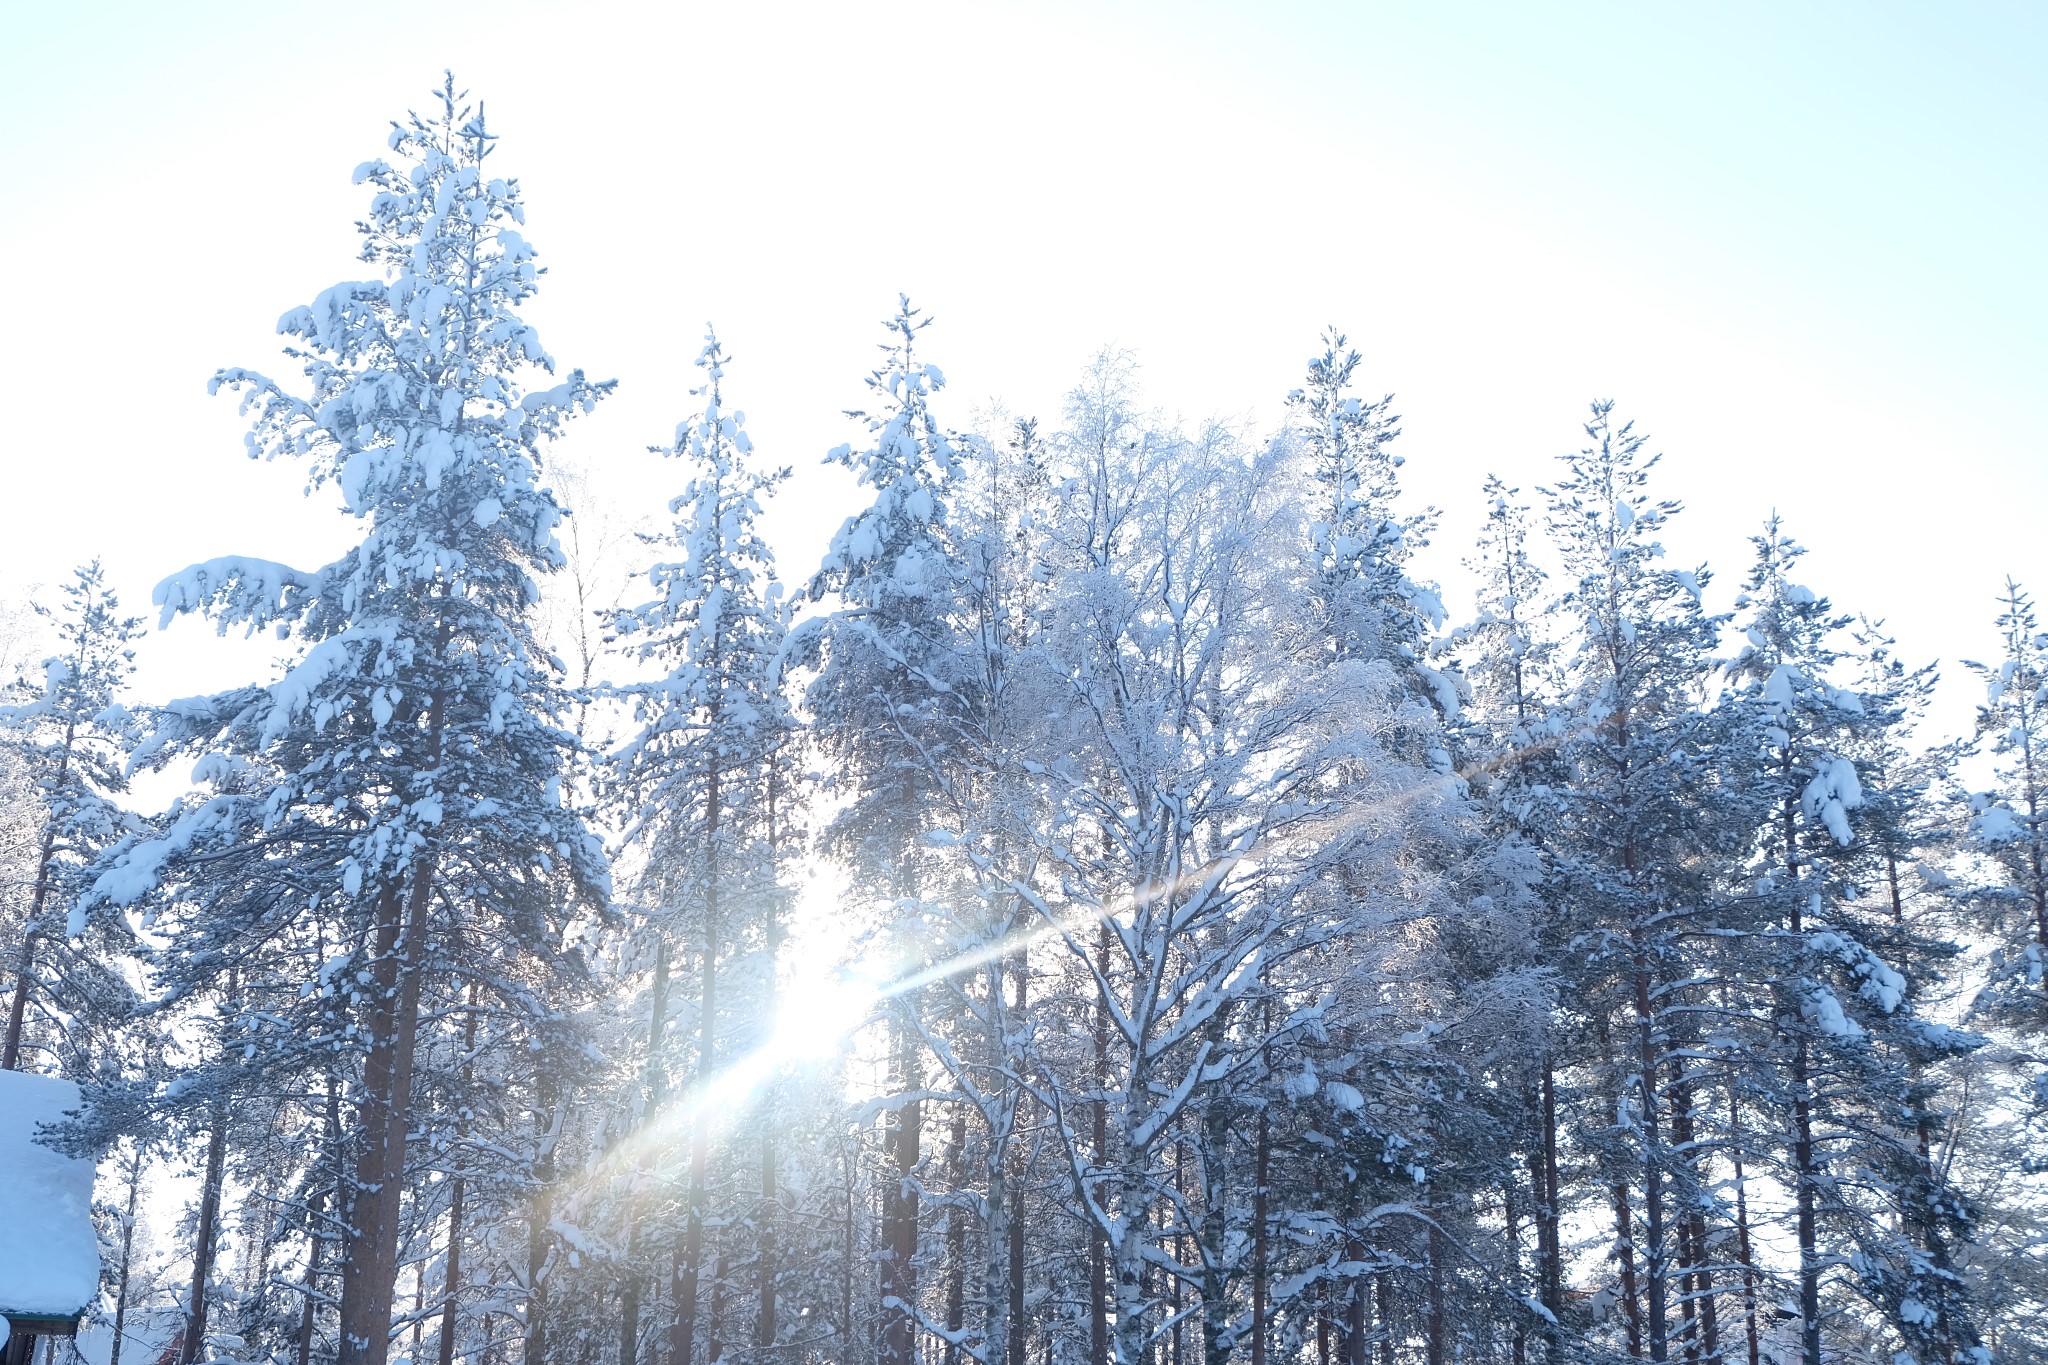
[1231,956]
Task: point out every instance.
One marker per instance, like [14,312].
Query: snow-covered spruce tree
[1850,1044]
[1646,822]
[410,759]
[987,798]
[880,704]
[1361,545]
[1507,741]
[706,779]
[69,739]
[1459,903]
[2009,827]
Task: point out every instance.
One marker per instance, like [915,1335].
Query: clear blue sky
[1801,244]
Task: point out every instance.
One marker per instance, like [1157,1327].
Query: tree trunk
[369,1265]
[1702,1320]
[316,1238]
[1625,1249]
[1742,1249]
[1262,1161]
[205,1235]
[714,1343]
[1017,1327]
[900,1217]
[1806,1173]
[127,1251]
[451,1268]
[1356,1343]
[764,1265]
[17,1008]
[1098,1250]
[1383,1294]
[25,960]
[1518,1342]
[540,1215]
[1547,1215]
[1657,1255]
[451,1274]
[766,1268]
[956,1236]
[634,1285]
[683,1339]
[1436,1345]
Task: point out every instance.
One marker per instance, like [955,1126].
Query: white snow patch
[50,1256]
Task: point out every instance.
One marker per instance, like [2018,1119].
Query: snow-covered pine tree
[69,737]
[882,705]
[989,798]
[410,760]
[1359,543]
[1648,817]
[1371,610]
[1507,738]
[704,774]
[1849,1041]
[2009,826]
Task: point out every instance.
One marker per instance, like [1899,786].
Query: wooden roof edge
[43,1324]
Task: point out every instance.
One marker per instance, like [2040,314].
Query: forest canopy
[1108,906]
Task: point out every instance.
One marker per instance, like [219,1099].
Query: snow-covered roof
[49,1253]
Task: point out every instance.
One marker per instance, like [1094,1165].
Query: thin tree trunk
[451,1266]
[956,1237]
[24,963]
[1625,1249]
[205,1235]
[1180,1252]
[1808,1222]
[1356,1344]
[25,960]
[17,1007]
[1805,1170]
[1657,1255]
[127,1252]
[846,1259]
[1098,1249]
[1383,1294]
[1017,1325]
[683,1340]
[1702,1317]
[419,1304]
[635,1285]
[1436,1343]
[714,1344]
[901,1216]
[540,1216]
[1518,1343]
[1547,1217]
[1742,1249]
[451,1274]
[764,1263]
[766,1268]
[1262,1161]
[316,1237]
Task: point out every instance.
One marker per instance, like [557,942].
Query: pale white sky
[1800,244]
